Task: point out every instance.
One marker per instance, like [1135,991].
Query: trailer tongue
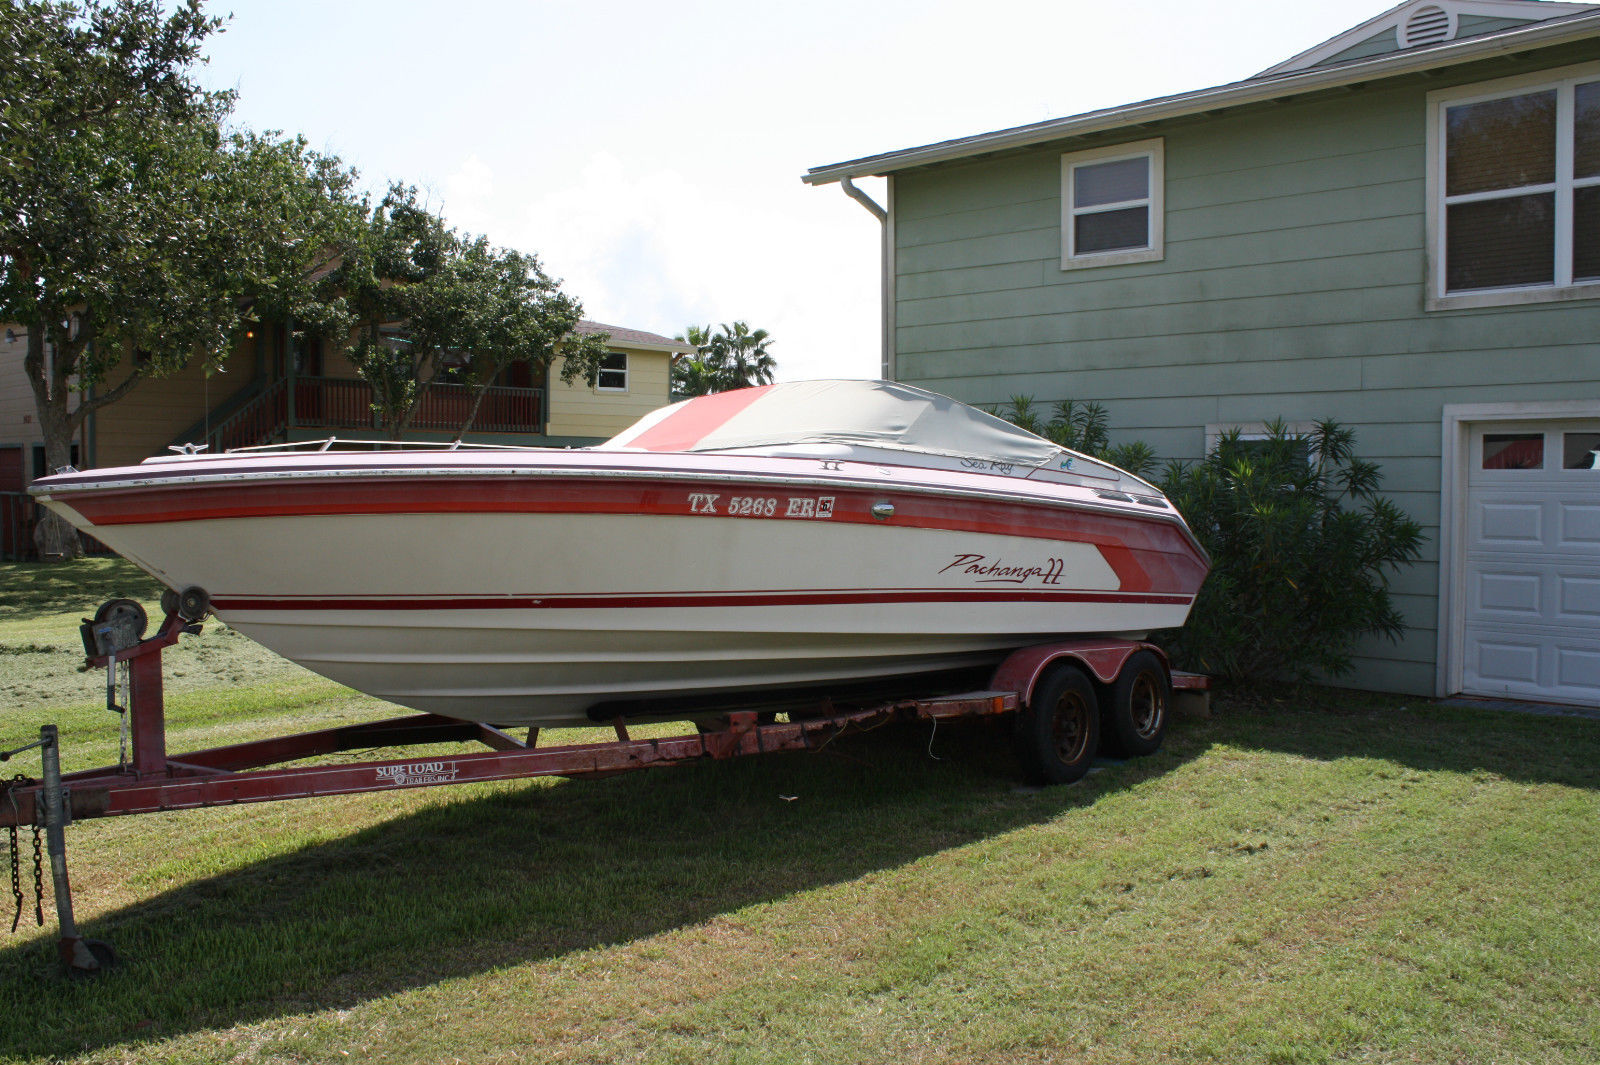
[1059,694]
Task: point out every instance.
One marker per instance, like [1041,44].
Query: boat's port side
[1068,699]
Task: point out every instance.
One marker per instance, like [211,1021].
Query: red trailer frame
[152,780]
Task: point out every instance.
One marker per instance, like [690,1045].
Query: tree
[1301,544]
[735,356]
[1081,427]
[455,305]
[1301,549]
[136,229]
[745,356]
[694,375]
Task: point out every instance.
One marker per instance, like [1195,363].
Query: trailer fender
[1102,658]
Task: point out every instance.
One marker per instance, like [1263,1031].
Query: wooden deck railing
[341,403]
[257,422]
[503,410]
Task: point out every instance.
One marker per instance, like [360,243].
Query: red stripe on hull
[639,602]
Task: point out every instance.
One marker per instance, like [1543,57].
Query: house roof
[1421,23]
[623,337]
[1334,63]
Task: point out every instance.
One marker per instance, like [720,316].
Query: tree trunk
[54,538]
[412,411]
[472,415]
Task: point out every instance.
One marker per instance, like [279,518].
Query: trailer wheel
[194,603]
[1058,733]
[1136,717]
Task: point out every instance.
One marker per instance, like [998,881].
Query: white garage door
[1532,567]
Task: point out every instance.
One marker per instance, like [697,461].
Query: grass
[1368,880]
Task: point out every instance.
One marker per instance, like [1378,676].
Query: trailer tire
[1136,715]
[1058,733]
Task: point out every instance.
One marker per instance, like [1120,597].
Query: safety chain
[38,875]
[16,859]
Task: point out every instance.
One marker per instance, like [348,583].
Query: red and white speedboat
[799,536]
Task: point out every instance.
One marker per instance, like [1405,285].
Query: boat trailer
[150,780]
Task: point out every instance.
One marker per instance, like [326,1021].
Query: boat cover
[871,413]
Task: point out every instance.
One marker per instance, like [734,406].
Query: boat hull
[542,600]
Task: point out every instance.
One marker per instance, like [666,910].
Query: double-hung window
[613,375]
[1514,173]
[1111,205]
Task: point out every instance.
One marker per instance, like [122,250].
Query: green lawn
[1375,880]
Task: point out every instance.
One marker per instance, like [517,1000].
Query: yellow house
[277,388]
[21,443]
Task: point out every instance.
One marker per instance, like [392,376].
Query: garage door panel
[1580,526]
[1509,593]
[1510,524]
[1579,599]
[1578,670]
[1531,566]
[1504,662]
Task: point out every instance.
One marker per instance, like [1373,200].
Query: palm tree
[694,375]
[746,360]
[735,356]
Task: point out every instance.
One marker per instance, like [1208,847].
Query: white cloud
[468,196]
[661,249]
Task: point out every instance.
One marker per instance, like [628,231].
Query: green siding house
[1398,229]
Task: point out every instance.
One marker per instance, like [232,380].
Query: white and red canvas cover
[870,413]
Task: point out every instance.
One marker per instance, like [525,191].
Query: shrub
[1301,548]
[1081,427]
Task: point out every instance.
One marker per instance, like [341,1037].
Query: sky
[650,153]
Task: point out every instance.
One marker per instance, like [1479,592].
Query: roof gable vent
[1427,25]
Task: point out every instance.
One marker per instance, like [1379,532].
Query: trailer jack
[52,813]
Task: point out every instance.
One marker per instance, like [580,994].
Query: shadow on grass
[527,873]
[30,589]
[535,872]
[1419,734]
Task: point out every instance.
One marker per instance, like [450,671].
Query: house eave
[672,348]
[1235,94]
[1507,8]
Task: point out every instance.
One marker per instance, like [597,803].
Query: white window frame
[1563,81]
[600,373]
[1155,250]
[1215,431]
